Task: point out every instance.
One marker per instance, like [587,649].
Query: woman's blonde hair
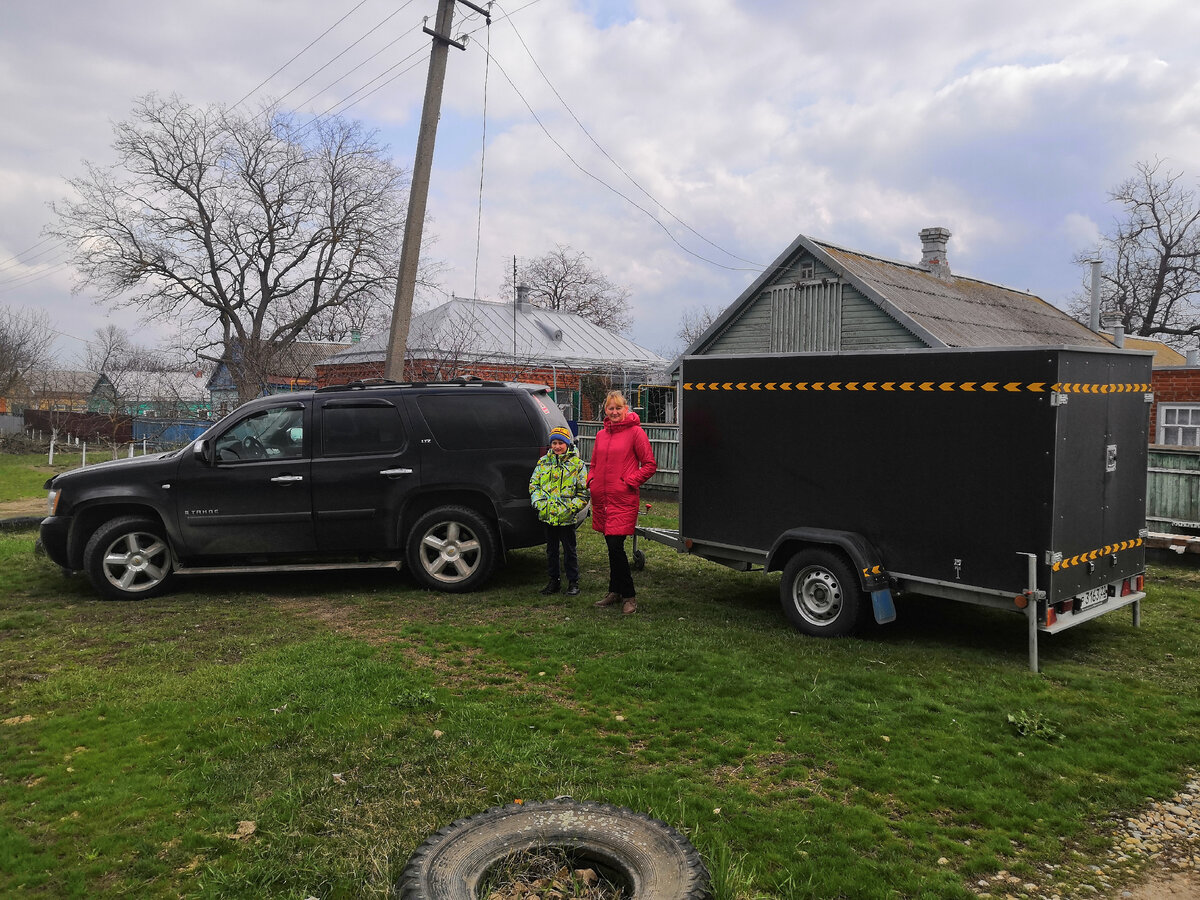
[615,395]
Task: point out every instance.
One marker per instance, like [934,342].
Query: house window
[807,271]
[1179,426]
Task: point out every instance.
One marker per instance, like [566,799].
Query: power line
[482,159]
[299,54]
[607,156]
[756,267]
[16,258]
[350,47]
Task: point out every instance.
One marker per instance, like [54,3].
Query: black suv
[367,475]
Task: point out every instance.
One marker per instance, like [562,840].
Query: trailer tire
[646,856]
[820,594]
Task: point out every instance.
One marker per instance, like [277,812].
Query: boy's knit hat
[562,434]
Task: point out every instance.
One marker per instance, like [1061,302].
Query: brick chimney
[933,251]
[523,303]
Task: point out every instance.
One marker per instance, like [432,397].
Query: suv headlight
[52,501]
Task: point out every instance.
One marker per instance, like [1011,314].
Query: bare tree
[254,230]
[26,337]
[1150,274]
[565,281]
[694,322]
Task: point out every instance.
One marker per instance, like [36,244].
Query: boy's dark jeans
[565,535]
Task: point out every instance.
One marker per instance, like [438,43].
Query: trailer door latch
[1110,458]
[1058,398]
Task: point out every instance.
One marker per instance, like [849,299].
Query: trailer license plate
[1091,598]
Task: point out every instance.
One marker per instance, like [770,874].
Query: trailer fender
[866,559]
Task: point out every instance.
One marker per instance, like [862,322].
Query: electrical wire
[754,268]
[299,54]
[607,156]
[482,158]
[350,47]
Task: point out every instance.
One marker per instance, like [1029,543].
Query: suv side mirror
[201,451]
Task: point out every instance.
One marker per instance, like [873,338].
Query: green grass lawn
[297,736]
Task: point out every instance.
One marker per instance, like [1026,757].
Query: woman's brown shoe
[608,599]
[629,606]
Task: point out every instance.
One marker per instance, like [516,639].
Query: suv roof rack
[365,383]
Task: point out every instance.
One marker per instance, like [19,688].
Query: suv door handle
[392,473]
[286,479]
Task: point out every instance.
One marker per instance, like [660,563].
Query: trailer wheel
[820,594]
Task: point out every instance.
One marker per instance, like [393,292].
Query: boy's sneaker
[573,589]
[551,588]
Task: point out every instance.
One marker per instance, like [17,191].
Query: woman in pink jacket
[621,462]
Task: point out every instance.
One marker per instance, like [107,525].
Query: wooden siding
[867,327]
[748,333]
[819,313]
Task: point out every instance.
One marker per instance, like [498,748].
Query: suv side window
[275,433]
[367,426]
[477,421]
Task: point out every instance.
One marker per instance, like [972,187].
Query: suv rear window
[369,426]
[477,421]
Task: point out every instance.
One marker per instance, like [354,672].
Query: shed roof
[485,331]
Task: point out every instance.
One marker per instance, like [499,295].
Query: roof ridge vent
[555,334]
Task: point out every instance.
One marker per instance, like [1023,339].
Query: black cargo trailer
[1011,478]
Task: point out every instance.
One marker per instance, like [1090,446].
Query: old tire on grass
[645,856]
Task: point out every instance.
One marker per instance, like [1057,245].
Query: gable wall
[863,325]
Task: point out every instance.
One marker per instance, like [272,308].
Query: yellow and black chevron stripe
[1013,387]
[1068,561]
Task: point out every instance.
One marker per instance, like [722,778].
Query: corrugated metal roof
[1163,355]
[483,331]
[965,312]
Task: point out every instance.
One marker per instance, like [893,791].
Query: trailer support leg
[1137,613]
[1031,611]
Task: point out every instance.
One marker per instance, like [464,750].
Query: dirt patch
[12,509]
[1179,886]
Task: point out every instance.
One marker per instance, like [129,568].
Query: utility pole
[418,194]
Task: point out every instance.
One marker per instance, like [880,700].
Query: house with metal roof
[507,342]
[818,296]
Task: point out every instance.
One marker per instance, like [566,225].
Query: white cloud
[752,121]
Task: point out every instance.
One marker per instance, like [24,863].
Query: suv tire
[453,549]
[129,558]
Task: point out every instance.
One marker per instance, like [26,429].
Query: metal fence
[1173,490]
[664,441]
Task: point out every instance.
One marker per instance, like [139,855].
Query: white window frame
[1181,431]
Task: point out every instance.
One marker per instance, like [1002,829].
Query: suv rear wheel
[452,548]
[128,558]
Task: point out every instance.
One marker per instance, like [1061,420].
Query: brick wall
[1172,385]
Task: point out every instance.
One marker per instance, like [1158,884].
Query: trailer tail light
[1126,587]
[1140,581]
[1051,616]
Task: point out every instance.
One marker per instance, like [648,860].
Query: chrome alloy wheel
[137,561]
[450,552]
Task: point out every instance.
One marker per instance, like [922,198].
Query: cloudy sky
[680,145]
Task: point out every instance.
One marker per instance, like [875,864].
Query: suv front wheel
[452,548]
[128,558]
